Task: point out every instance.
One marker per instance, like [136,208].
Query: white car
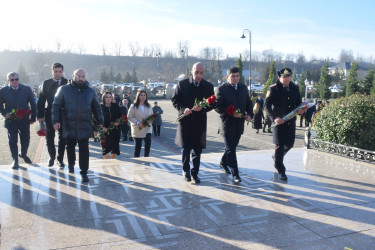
[256,87]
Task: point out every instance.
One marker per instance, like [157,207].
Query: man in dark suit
[282,97]
[17,97]
[47,93]
[192,129]
[232,126]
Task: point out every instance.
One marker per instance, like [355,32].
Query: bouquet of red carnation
[145,121]
[204,103]
[102,135]
[42,129]
[19,114]
[231,110]
[124,118]
[211,100]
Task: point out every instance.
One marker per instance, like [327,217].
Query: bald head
[79,76]
[197,71]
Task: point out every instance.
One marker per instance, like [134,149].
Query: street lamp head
[243,36]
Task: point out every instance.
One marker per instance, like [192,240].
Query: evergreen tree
[301,83]
[24,78]
[324,83]
[240,66]
[104,77]
[134,76]
[128,77]
[265,74]
[272,77]
[118,78]
[372,91]
[352,83]
[294,76]
[367,82]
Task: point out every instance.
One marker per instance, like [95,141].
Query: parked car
[256,88]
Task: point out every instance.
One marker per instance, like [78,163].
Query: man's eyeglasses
[15,79]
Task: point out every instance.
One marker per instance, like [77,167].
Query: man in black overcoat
[192,129]
[76,103]
[282,97]
[232,126]
[47,94]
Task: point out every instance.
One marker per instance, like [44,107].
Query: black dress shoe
[196,179]
[61,164]
[283,177]
[236,179]
[225,169]
[15,165]
[25,158]
[71,169]
[85,178]
[187,178]
[51,162]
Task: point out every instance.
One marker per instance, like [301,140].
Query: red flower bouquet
[204,103]
[42,129]
[19,114]
[230,110]
[145,121]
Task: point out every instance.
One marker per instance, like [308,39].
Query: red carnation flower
[211,100]
[230,110]
[21,113]
[102,143]
[153,117]
[125,117]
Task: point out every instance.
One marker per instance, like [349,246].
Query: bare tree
[206,53]
[134,48]
[58,44]
[41,66]
[290,57]
[81,49]
[183,48]
[146,51]
[117,50]
[104,50]
[301,59]
[346,56]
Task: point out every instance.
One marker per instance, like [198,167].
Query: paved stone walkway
[144,203]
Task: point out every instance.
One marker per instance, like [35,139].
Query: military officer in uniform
[282,97]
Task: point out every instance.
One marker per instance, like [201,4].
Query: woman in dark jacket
[258,114]
[111,113]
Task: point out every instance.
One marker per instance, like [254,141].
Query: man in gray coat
[76,101]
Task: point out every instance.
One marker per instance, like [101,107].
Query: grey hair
[197,64]
[12,74]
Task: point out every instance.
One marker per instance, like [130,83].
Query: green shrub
[349,121]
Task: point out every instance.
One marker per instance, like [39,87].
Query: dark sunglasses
[15,79]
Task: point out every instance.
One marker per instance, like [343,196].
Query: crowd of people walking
[78,112]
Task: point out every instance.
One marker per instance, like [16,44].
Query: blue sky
[319,28]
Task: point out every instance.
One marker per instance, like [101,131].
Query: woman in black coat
[111,113]
[258,116]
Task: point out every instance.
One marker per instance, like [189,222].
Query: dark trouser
[196,159]
[23,129]
[229,157]
[138,145]
[301,119]
[156,129]
[280,152]
[50,141]
[125,130]
[83,145]
[112,144]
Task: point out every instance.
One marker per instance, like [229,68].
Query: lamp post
[243,37]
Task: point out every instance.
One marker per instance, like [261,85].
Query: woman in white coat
[138,113]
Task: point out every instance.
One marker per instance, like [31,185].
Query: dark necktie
[58,82]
